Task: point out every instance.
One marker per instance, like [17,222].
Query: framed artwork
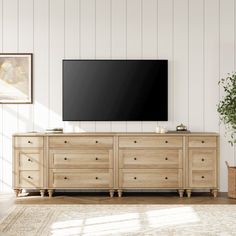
[16,77]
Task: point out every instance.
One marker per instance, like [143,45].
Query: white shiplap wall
[197,37]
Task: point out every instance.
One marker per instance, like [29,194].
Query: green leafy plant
[227,106]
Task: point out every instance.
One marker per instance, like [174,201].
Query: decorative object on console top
[54,130]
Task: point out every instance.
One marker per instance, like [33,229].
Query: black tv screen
[115,90]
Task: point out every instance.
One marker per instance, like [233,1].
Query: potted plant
[227,112]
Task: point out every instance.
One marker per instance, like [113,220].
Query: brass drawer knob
[135,158]
[135,141]
[65,177]
[96,158]
[166,177]
[203,177]
[166,141]
[135,177]
[203,159]
[96,177]
[203,141]
[65,158]
[166,158]
[65,141]
[96,141]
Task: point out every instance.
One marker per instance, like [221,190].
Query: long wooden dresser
[115,162]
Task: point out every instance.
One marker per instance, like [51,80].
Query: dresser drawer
[64,142]
[29,142]
[81,159]
[202,178]
[78,178]
[146,178]
[29,160]
[202,159]
[145,142]
[29,179]
[161,158]
[202,142]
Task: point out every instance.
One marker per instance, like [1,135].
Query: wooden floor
[7,201]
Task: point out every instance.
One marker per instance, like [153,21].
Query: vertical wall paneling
[197,37]
[180,71]
[134,43]
[25,45]
[1,106]
[211,96]
[165,50]
[41,64]
[103,43]
[196,65]
[226,66]
[72,43]
[87,42]
[118,42]
[10,115]
[149,41]
[56,56]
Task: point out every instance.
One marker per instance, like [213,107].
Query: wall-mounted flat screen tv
[115,90]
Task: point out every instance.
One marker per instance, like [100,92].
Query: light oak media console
[115,162]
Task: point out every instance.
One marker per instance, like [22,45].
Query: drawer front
[202,141]
[202,159]
[29,179]
[162,158]
[29,161]
[64,142]
[159,178]
[29,142]
[81,178]
[145,142]
[81,159]
[202,178]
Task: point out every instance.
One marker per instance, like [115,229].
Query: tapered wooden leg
[189,191]
[214,192]
[181,193]
[50,192]
[119,193]
[111,193]
[42,192]
[17,191]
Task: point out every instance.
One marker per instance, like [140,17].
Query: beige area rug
[65,220]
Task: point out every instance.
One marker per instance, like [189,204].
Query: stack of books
[54,130]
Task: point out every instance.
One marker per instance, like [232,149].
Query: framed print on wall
[16,77]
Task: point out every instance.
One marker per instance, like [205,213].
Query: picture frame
[16,78]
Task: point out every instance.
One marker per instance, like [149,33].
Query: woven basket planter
[231,181]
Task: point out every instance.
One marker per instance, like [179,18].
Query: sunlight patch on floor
[125,223]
